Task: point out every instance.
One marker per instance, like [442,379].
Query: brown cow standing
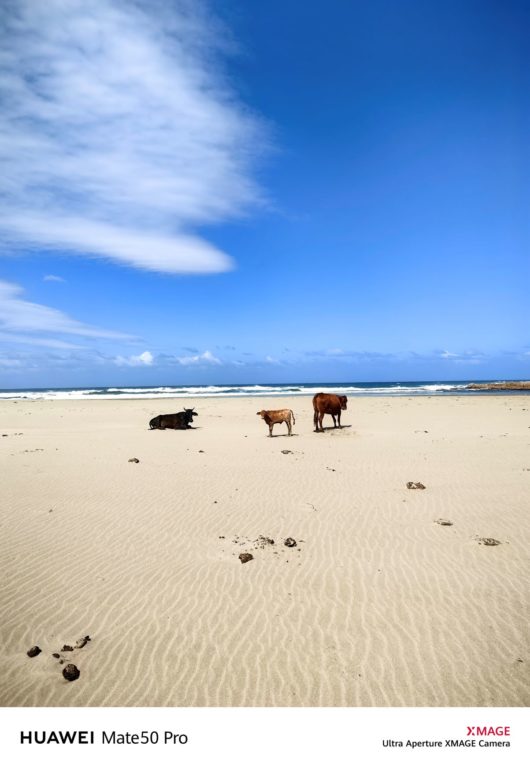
[331,404]
[277,417]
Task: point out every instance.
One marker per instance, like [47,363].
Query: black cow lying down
[181,420]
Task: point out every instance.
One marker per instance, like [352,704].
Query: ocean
[366,389]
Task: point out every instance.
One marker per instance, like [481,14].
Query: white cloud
[17,314]
[53,279]
[206,358]
[115,113]
[125,244]
[146,358]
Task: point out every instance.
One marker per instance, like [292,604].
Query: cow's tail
[292,415]
[315,412]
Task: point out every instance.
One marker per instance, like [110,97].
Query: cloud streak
[17,314]
[116,113]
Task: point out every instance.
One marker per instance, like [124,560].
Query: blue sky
[263,192]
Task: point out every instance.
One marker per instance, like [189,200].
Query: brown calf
[277,417]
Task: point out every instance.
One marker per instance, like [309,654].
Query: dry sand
[377,604]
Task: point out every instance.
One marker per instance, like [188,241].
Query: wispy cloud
[114,113]
[206,358]
[36,341]
[10,362]
[469,356]
[17,314]
[336,353]
[53,279]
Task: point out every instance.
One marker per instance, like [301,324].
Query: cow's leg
[338,417]
[288,422]
[315,420]
[320,419]
[270,429]
[334,422]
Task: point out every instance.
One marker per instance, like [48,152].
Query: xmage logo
[488,730]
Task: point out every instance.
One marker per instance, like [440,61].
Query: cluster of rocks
[70,671]
[263,542]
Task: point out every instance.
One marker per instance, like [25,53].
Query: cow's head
[190,413]
[343,402]
[261,413]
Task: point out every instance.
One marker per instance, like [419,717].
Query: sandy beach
[378,604]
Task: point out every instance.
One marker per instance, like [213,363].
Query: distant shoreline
[295,389]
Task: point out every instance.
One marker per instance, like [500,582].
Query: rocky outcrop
[506,385]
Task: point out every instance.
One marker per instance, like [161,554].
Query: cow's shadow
[172,429]
[334,429]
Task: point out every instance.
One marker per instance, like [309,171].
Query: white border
[267,737]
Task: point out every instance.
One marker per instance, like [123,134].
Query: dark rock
[34,651]
[415,486]
[245,557]
[264,541]
[441,521]
[134,461]
[489,542]
[67,648]
[290,542]
[286,451]
[82,641]
[71,672]
[56,655]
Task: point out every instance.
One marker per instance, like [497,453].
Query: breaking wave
[271,390]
